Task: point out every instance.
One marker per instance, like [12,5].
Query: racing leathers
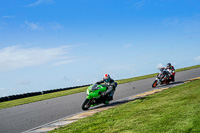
[111,85]
[171,70]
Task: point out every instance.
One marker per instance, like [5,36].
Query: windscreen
[94,87]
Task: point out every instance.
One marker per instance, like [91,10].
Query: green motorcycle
[94,96]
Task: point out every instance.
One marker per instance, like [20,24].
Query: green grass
[187,68]
[73,91]
[173,110]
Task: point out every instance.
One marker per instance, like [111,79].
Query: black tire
[86,104]
[155,83]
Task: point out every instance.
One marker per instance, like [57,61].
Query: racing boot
[110,98]
[172,78]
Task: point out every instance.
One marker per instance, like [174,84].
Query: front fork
[158,81]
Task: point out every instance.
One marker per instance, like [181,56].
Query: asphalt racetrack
[24,117]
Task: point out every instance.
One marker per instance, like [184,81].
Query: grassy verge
[187,68]
[73,91]
[172,110]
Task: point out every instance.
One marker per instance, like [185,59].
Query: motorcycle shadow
[110,104]
[119,102]
[172,83]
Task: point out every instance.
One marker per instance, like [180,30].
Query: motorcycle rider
[171,70]
[110,85]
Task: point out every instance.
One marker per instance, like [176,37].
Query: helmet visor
[107,80]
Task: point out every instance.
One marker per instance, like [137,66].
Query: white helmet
[106,78]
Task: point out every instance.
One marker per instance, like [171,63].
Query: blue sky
[50,44]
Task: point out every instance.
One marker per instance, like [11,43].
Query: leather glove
[103,93]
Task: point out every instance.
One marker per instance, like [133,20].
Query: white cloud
[197,58]
[2,89]
[17,57]
[63,62]
[191,24]
[8,17]
[187,25]
[172,21]
[127,46]
[139,5]
[33,26]
[36,26]
[56,26]
[39,2]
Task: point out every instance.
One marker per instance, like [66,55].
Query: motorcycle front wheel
[86,104]
[155,83]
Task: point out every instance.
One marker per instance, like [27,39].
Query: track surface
[24,117]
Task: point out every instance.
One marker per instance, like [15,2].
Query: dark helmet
[169,65]
[106,78]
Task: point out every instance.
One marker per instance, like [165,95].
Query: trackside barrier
[30,94]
